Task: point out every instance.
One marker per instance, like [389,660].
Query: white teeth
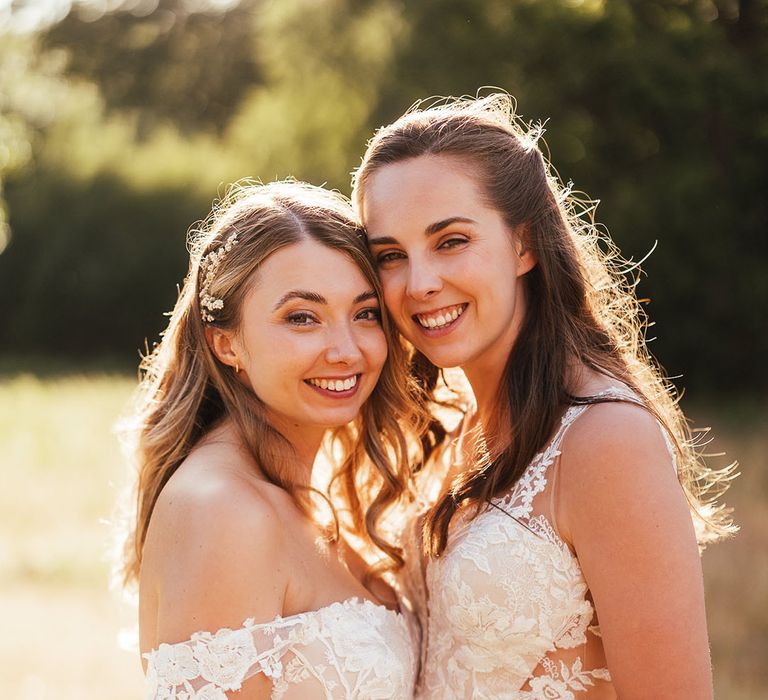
[443,318]
[335,384]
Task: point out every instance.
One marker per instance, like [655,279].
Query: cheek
[278,357]
[374,346]
[497,279]
[393,286]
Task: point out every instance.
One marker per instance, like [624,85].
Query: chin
[339,418]
[445,358]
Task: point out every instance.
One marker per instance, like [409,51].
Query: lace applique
[518,503]
[352,649]
[509,614]
[560,681]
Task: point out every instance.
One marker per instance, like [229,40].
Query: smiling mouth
[442,318]
[335,385]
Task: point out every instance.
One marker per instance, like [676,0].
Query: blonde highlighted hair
[185,391]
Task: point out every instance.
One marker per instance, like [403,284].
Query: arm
[626,515]
[211,560]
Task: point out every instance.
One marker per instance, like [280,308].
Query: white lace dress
[352,649]
[505,610]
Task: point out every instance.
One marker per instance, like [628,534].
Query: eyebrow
[445,223]
[316,298]
[428,231]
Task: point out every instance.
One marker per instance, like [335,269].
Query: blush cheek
[377,353]
[393,293]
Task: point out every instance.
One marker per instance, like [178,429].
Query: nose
[423,280]
[342,346]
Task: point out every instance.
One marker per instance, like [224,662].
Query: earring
[237,368]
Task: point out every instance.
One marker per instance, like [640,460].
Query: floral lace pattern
[353,649]
[507,610]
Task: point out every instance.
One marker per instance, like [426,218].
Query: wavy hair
[185,390]
[581,304]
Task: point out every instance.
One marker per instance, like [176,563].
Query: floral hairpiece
[209,265]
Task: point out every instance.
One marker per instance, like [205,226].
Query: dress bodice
[351,649]
[506,610]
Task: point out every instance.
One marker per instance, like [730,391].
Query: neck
[485,387]
[485,371]
[306,442]
[306,453]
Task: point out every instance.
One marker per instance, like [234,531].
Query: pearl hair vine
[209,266]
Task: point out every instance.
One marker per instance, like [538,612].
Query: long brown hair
[581,304]
[185,390]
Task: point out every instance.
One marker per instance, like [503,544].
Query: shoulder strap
[570,416]
[534,479]
[518,503]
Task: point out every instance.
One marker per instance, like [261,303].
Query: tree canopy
[118,129]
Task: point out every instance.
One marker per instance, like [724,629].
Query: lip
[445,330]
[336,394]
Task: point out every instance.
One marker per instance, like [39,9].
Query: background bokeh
[121,121]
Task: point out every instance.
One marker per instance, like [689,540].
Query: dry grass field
[61,474]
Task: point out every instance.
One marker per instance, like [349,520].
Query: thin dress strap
[518,503]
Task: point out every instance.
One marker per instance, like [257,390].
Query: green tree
[656,108]
[189,65]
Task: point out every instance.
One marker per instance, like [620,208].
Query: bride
[560,555]
[276,338]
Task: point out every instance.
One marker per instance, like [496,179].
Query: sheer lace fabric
[352,649]
[505,610]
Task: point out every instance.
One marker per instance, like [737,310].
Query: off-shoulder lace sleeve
[350,649]
[208,664]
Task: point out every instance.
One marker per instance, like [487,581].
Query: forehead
[420,191]
[310,265]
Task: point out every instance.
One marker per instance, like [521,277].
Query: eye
[389,256]
[371,313]
[301,318]
[452,242]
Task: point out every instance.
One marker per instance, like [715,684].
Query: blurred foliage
[118,128]
[103,272]
[660,110]
[192,67]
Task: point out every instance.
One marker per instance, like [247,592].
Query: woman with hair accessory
[559,556]
[276,346]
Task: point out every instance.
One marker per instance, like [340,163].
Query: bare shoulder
[615,465]
[214,550]
[608,429]
[624,512]
[211,496]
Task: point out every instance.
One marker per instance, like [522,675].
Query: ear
[223,345]
[526,258]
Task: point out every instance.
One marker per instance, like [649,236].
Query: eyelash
[304,318]
[392,255]
[300,318]
[389,256]
[453,242]
[375,311]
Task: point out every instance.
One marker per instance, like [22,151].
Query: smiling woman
[561,556]
[310,342]
[476,253]
[276,343]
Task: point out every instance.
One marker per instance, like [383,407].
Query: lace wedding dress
[352,649]
[505,610]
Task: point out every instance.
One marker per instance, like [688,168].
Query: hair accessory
[209,265]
